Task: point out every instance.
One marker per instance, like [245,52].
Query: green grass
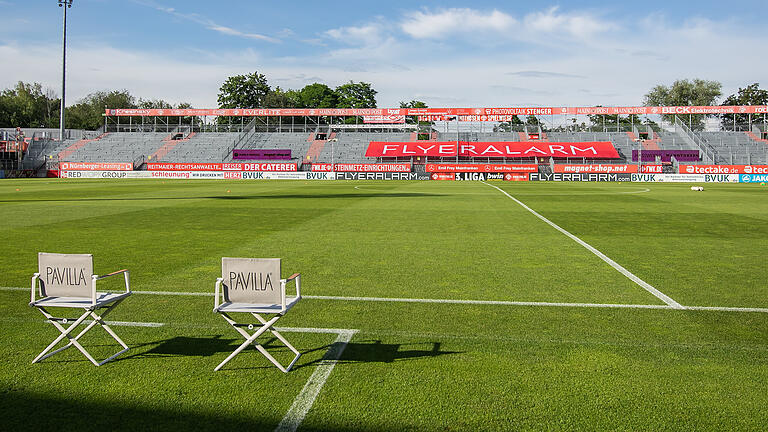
[411,366]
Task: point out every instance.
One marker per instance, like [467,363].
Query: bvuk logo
[746,178]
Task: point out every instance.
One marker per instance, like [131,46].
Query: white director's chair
[253,285]
[67,281]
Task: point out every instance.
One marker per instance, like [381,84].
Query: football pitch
[428,305]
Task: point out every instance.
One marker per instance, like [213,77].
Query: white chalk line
[645,285]
[467,302]
[306,398]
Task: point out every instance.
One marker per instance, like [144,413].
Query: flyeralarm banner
[522,149]
[342,167]
[723,169]
[484,168]
[96,166]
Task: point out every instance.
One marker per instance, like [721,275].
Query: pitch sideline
[618,267]
[469,302]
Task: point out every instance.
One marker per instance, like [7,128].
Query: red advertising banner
[442,176]
[393,167]
[723,169]
[265,166]
[96,166]
[592,149]
[515,177]
[160,166]
[606,168]
[262,166]
[484,168]
[436,114]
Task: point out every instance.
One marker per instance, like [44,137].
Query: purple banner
[261,154]
[666,155]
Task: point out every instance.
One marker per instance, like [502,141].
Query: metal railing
[683,130]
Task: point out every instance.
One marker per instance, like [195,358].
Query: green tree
[244,91]
[697,92]
[507,126]
[27,105]
[750,95]
[88,112]
[356,95]
[413,104]
[317,96]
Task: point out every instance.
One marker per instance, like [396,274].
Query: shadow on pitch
[377,352]
[238,197]
[373,351]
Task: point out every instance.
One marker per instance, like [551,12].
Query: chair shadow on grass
[373,351]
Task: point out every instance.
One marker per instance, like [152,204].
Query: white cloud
[425,24]
[207,23]
[578,25]
[369,34]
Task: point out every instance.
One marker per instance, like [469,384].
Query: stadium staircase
[64,154]
[314,151]
[168,144]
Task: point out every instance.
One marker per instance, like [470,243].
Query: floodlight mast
[64,4]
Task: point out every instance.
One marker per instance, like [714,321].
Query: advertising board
[723,169]
[753,178]
[606,168]
[345,167]
[478,176]
[686,178]
[380,176]
[587,177]
[486,168]
[96,166]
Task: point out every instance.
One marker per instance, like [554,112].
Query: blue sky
[447,53]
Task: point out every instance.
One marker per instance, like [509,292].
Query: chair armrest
[123,271]
[35,277]
[297,278]
[216,294]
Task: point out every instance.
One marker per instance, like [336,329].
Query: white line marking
[636,192]
[306,398]
[487,302]
[660,295]
[455,301]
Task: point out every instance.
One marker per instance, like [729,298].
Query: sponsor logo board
[515,177]
[686,178]
[235,166]
[381,176]
[441,176]
[486,168]
[753,178]
[478,176]
[200,175]
[96,166]
[586,177]
[606,168]
[342,167]
[723,169]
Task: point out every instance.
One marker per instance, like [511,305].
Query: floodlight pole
[64,4]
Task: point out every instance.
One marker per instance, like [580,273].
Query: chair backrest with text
[65,275]
[252,280]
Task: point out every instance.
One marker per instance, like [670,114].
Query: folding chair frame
[266,325]
[89,311]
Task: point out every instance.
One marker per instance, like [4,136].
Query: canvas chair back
[252,280]
[65,275]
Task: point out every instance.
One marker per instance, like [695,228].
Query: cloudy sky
[446,53]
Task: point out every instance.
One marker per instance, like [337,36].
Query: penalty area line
[618,267]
